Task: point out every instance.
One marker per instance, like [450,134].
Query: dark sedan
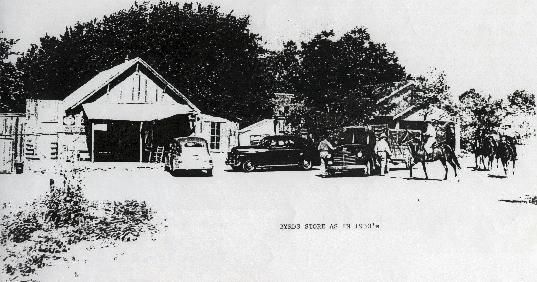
[274,151]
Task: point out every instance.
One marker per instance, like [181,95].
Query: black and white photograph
[285,140]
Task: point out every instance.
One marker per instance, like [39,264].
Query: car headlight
[330,162]
[359,154]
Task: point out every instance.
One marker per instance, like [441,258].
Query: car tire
[248,166]
[306,164]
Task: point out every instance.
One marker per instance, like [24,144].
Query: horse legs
[425,170]
[410,166]
[453,165]
[476,162]
[514,167]
[443,161]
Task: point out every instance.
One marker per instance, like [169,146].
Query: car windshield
[356,136]
[191,145]
[267,142]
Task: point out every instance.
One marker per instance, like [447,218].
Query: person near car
[383,152]
[324,151]
[429,137]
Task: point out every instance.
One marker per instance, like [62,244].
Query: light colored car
[188,154]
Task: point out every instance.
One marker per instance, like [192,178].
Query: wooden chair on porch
[157,155]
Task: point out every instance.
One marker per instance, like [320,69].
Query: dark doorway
[117,141]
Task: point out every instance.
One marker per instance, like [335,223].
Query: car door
[294,152]
[267,154]
[278,152]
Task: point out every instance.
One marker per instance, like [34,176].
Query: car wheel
[248,166]
[306,164]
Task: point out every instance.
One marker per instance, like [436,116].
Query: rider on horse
[429,137]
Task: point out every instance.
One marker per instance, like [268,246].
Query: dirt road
[238,227]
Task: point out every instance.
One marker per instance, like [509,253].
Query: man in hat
[429,137]
[383,152]
[325,147]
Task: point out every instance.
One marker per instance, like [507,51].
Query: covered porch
[134,132]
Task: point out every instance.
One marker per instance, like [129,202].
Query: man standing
[383,152]
[430,137]
[324,151]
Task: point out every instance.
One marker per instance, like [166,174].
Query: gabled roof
[206,117]
[257,124]
[397,93]
[430,114]
[102,79]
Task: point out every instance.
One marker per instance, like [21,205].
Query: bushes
[45,229]
[66,205]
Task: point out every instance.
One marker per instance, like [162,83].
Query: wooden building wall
[229,132]
[11,141]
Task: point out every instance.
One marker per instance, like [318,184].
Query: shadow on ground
[190,173]
[271,169]
[420,178]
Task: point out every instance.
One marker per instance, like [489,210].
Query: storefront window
[215,135]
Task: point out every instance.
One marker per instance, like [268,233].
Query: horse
[506,152]
[484,147]
[441,152]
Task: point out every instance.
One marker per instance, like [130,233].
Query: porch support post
[141,146]
[92,143]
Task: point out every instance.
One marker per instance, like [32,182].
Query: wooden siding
[136,88]
[229,132]
[11,141]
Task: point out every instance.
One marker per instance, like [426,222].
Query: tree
[521,102]
[284,68]
[212,57]
[11,90]
[479,114]
[432,91]
[338,78]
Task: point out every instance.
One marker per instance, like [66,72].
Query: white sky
[489,45]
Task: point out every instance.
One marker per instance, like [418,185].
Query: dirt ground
[228,227]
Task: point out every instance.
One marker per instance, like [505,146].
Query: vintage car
[355,153]
[188,154]
[280,150]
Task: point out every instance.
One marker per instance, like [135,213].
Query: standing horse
[506,152]
[441,152]
[484,147]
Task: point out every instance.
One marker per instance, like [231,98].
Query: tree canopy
[212,57]
[336,77]
[11,95]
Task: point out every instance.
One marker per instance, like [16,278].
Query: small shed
[221,134]
[252,134]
